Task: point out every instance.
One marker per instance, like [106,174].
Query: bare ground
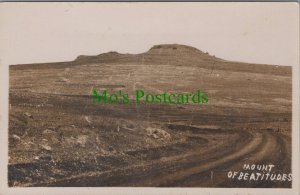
[58,137]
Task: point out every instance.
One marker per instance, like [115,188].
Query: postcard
[149,98]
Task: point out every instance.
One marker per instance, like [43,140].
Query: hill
[167,54]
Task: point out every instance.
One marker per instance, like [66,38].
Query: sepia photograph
[141,94]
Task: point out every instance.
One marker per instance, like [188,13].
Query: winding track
[194,168]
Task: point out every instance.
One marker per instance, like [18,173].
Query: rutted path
[193,168]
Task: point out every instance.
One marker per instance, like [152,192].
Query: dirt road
[204,167]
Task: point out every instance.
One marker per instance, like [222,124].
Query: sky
[264,33]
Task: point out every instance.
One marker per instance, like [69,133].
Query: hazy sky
[250,32]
